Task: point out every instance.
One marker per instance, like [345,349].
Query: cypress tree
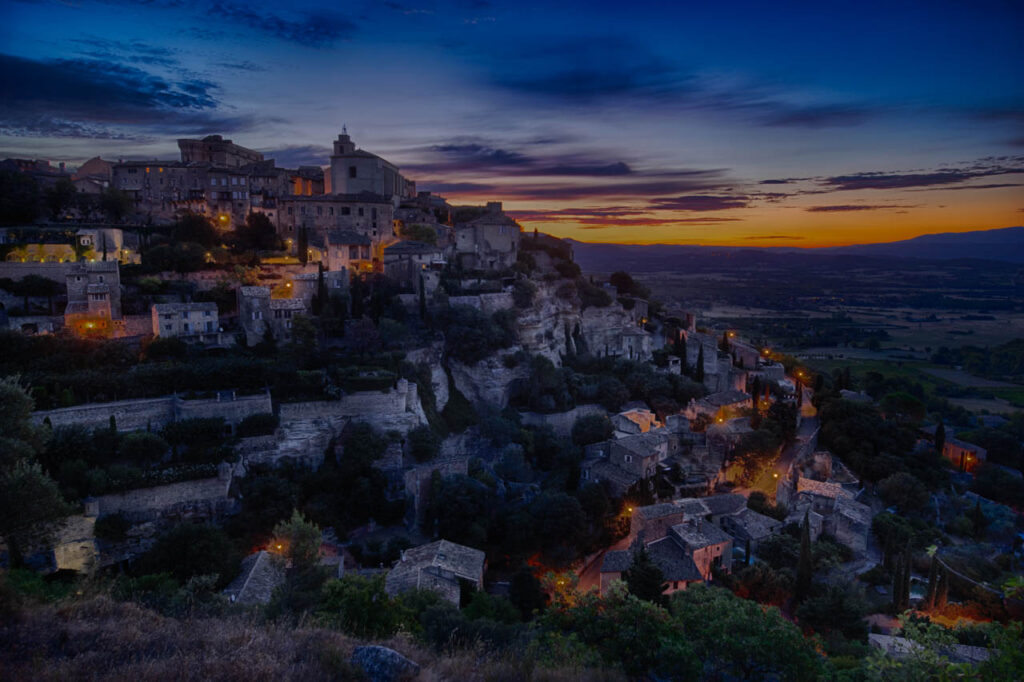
[940,437]
[302,248]
[805,568]
[978,519]
[905,589]
[644,579]
[423,300]
[699,370]
[933,578]
[942,590]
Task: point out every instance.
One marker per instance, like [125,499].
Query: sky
[734,123]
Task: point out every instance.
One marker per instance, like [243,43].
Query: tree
[257,233]
[190,550]
[905,491]
[735,638]
[622,281]
[805,565]
[423,443]
[360,607]
[838,609]
[115,204]
[592,428]
[933,578]
[30,502]
[525,592]
[302,246]
[699,370]
[60,197]
[644,579]
[142,447]
[193,227]
[299,540]
[19,198]
[940,438]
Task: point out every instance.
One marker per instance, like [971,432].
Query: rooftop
[724,398]
[674,562]
[698,534]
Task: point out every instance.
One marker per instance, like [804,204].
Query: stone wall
[155,413]
[205,498]
[487,303]
[397,409]
[432,356]
[52,271]
[561,422]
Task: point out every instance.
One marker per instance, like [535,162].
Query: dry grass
[100,638]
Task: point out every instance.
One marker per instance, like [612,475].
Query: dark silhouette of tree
[933,579]
[60,197]
[644,579]
[940,438]
[302,249]
[698,373]
[19,198]
[805,565]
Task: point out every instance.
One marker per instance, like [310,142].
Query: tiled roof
[261,573]
[726,398]
[347,237]
[658,511]
[822,488]
[728,503]
[423,566]
[616,561]
[675,563]
[699,534]
[410,246]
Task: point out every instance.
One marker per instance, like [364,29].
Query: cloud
[133,51]
[618,168]
[947,176]
[312,29]
[599,224]
[300,155]
[843,208]
[773,236]
[701,202]
[94,98]
[243,66]
[778,114]
[473,156]
[457,187]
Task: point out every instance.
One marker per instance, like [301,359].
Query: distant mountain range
[1004,244]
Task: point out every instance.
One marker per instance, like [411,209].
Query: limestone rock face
[381,664]
[488,381]
[431,356]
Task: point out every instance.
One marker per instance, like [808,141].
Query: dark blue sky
[646,121]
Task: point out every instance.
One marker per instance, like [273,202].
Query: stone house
[349,250]
[720,406]
[199,320]
[686,553]
[411,263]
[489,242]
[262,572]
[94,299]
[963,455]
[258,312]
[636,418]
[370,215]
[750,526]
[440,566]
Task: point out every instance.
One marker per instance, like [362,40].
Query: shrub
[423,444]
[142,447]
[258,425]
[113,527]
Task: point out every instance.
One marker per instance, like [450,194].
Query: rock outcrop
[381,664]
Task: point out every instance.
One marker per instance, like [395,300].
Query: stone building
[441,567]
[94,299]
[216,151]
[348,250]
[409,262]
[355,171]
[489,242]
[370,215]
[198,320]
[259,312]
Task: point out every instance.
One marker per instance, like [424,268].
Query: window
[101,279]
[373,213]
[277,314]
[345,210]
[241,181]
[185,327]
[351,171]
[206,313]
[360,211]
[213,182]
[289,210]
[168,316]
[184,314]
[353,252]
[627,458]
[288,314]
[330,210]
[168,327]
[234,180]
[209,326]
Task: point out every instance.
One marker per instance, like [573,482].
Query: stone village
[675,468]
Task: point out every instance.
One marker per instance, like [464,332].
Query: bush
[591,429]
[113,527]
[142,447]
[258,425]
[423,444]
